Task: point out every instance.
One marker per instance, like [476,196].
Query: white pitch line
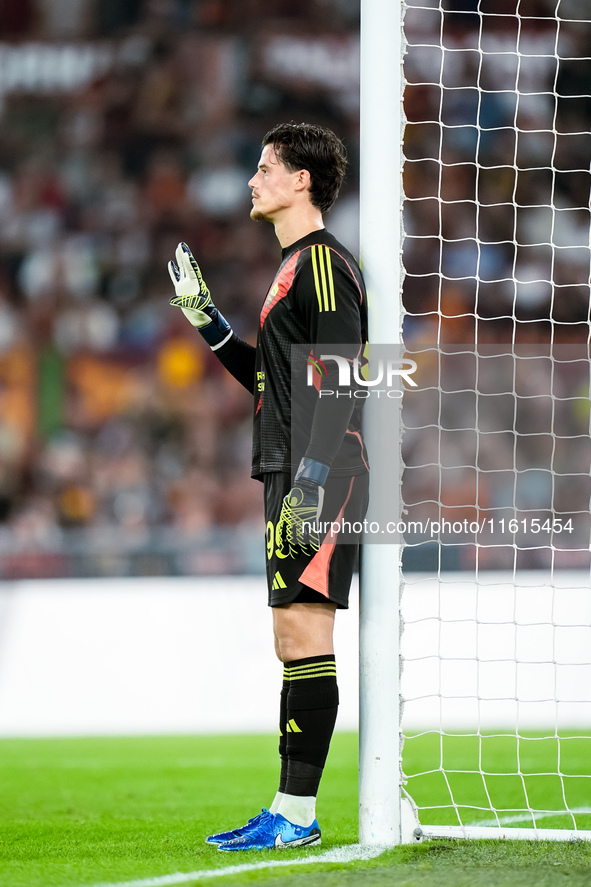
[347,853]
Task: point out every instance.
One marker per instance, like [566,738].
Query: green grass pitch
[78,812]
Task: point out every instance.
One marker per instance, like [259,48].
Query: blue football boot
[274,832]
[236,832]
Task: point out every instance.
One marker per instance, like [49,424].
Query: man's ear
[302,182]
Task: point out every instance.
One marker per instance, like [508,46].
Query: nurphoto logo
[351,375]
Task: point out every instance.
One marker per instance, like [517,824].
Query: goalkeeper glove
[194,299]
[298,521]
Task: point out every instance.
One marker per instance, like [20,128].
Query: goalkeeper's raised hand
[298,521]
[194,299]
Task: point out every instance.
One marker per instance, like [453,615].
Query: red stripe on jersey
[360,439]
[281,285]
[316,573]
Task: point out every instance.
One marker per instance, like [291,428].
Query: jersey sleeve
[329,296]
[239,358]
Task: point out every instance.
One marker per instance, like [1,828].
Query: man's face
[273,187]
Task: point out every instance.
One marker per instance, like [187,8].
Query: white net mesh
[496,445]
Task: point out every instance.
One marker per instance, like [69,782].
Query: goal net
[496,600]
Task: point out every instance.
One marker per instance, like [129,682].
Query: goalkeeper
[315,472]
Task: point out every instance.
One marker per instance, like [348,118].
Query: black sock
[312,704]
[283,734]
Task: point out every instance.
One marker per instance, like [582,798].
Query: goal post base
[409,823]
[381,827]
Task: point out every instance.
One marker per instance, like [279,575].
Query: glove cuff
[217,331]
[311,469]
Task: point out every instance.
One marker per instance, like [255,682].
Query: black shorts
[324,575]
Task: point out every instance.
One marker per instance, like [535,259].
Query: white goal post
[475,631]
[381,256]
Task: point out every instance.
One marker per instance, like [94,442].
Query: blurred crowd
[497,452]
[497,257]
[115,418]
[129,125]
[497,177]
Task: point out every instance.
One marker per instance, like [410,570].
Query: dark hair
[317,149]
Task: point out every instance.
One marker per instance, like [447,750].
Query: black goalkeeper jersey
[317,298]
